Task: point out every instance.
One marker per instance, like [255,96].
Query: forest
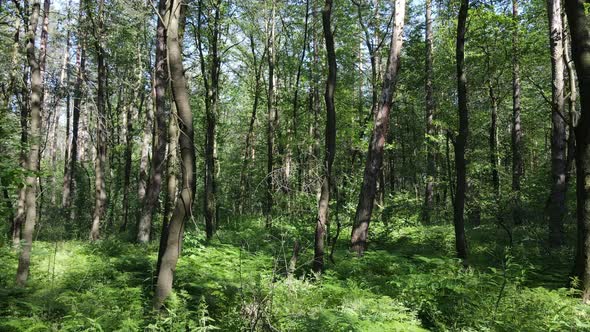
[294,165]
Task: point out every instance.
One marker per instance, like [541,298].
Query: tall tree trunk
[461,140]
[493,140]
[330,141]
[184,202]
[171,181]
[211,82]
[144,158]
[272,119]
[32,164]
[381,129]
[160,138]
[516,135]
[69,183]
[558,133]
[296,101]
[580,34]
[430,149]
[249,136]
[100,198]
[573,95]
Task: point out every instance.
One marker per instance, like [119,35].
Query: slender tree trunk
[150,203]
[493,140]
[430,105]
[144,159]
[249,136]
[516,135]
[171,181]
[211,109]
[461,140]
[573,96]
[184,202]
[101,139]
[272,119]
[381,129]
[558,132]
[296,101]
[69,183]
[580,34]
[32,165]
[330,141]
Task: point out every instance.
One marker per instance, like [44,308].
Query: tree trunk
[580,44]
[430,149]
[494,140]
[69,184]
[249,136]
[573,95]
[272,119]
[150,203]
[211,82]
[32,164]
[184,202]
[101,139]
[375,155]
[558,133]
[461,140]
[516,135]
[324,202]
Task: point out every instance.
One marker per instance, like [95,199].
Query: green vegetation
[238,280]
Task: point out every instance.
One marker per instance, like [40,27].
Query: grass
[407,281]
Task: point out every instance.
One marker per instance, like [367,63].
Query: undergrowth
[407,281]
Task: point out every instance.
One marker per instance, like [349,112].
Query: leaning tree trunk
[558,133]
[516,135]
[184,202]
[430,162]
[32,164]
[375,155]
[100,199]
[461,140]
[324,201]
[581,53]
[150,202]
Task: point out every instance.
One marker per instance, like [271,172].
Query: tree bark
[150,203]
[184,202]
[516,135]
[100,198]
[375,155]
[430,105]
[558,132]
[581,53]
[493,140]
[330,140]
[69,183]
[272,119]
[461,139]
[32,164]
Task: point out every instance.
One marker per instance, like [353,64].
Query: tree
[272,117]
[461,139]
[184,202]
[558,132]
[32,164]
[162,113]
[430,158]
[330,140]
[100,199]
[380,130]
[516,130]
[580,34]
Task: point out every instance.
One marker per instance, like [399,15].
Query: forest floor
[407,281]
